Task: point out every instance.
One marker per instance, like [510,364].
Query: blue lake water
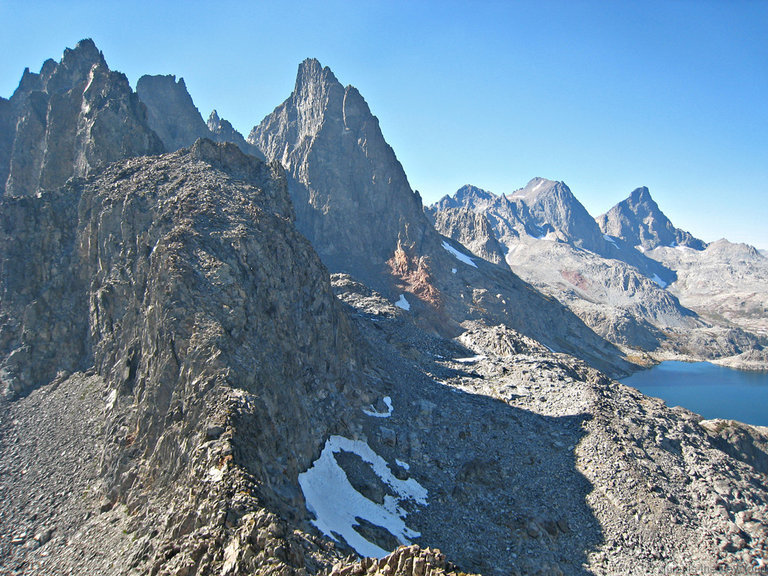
[710,390]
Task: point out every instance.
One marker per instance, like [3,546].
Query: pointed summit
[639,221]
[640,195]
[222,131]
[72,118]
[352,197]
[312,73]
[553,207]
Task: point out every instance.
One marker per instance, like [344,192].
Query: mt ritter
[228,355]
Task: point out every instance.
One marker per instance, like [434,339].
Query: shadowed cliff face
[170,111]
[72,119]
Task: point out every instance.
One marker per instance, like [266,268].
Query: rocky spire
[639,221]
[222,131]
[71,118]
[352,197]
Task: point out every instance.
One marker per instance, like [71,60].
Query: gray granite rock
[71,119]
[639,222]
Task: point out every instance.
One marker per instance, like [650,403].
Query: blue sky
[606,96]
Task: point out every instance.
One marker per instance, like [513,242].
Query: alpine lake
[707,389]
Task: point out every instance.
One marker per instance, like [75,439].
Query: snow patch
[403,465]
[659,281]
[403,303]
[639,248]
[337,505]
[610,239]
[470,360]
[111,399]
[453,270]
[458,255]
[375,414]
[216,474]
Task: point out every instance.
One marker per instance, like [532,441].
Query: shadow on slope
[504,491]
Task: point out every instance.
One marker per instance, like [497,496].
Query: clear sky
[605,95]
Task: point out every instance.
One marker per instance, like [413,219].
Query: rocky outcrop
[170,111]
[405,561]
[222,131]
[72,119]
[639,222]
[472,230]
[181,282]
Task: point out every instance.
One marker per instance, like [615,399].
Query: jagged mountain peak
[641,194]
[84,51]
[352,198]
[72,118]
[469,197]
[639,221]
[539,187]
[312,72]
[314,81]
[468,190]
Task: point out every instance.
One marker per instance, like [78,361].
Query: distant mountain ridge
[616,282]
[638,221]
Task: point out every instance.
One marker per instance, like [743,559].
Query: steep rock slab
[639,222]
[72,119]
[170,111]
